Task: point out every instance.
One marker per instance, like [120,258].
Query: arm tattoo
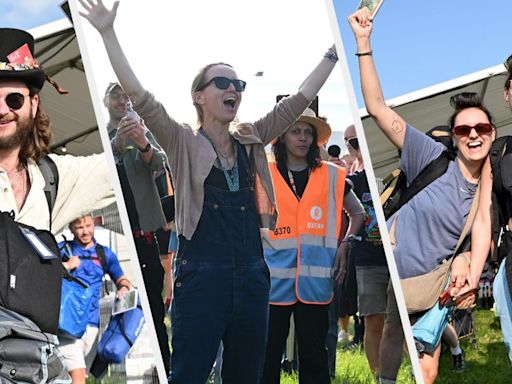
[397,126]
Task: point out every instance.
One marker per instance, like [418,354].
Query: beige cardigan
[191,156]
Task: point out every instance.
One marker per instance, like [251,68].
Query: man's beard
[20,136]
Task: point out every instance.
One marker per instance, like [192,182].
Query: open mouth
[475,145]
[230,102]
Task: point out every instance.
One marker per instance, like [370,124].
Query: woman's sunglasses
[15,100]
[222,82]
[465,130]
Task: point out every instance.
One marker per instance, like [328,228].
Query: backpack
[29,275]
[28,355]
[396,191]
[20,259]
[76,298]
[30,267]
[501,154]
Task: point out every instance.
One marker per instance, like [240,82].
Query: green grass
[488,362]
[352,368]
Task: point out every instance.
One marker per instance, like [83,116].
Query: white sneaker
[342,336]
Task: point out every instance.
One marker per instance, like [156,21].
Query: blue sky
[421,43]
[28,14]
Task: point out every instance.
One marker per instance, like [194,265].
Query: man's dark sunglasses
[222,82]
[15,100]
[354,143]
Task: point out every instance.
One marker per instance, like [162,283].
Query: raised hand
[98,15]
[361,22]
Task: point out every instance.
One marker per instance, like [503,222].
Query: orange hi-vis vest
[300,252]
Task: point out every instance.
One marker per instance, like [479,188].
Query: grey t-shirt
[429,225]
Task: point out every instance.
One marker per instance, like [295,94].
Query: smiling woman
[425,231]
[221,279]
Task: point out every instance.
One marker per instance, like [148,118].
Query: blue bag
[120,335]
[75,302]
[429,328]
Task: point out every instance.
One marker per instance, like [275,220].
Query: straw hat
[323,129]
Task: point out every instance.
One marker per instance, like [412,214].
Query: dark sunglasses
[15,100]
[222,82]
[119,97]
[354,143]
[465,130]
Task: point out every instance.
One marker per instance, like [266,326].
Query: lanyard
[292,182]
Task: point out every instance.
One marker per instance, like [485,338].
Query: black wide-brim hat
[10,40]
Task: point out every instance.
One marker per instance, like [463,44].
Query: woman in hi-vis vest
[302,253]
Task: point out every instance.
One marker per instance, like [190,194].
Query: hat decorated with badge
[17,60]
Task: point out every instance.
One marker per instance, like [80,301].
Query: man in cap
[139,158]
[25,135]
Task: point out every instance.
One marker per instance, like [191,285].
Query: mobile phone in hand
[454,300]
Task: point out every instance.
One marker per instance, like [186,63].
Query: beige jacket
[191,156]
[84,185]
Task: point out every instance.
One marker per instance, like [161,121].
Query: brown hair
[313,156]
[464,100]
[37,142]
[198,83]
[88,214]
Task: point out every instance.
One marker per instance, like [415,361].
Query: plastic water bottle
[130,113]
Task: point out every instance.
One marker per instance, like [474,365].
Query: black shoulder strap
[500,198]
[51,181]
[435,169]
[100,252]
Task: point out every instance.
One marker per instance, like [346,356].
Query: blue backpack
[76,300]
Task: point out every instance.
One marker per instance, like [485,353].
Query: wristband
[146,148]
[349,238]
[368,53]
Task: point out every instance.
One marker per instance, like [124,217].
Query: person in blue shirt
[85,263]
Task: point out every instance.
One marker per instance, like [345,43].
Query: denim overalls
[221,291]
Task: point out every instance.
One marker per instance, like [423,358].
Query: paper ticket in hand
[373,5]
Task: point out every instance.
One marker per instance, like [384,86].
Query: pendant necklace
[232,177]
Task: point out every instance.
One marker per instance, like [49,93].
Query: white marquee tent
[429,107]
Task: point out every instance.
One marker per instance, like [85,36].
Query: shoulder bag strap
[465,230]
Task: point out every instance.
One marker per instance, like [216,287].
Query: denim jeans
[504,303]
[221,292]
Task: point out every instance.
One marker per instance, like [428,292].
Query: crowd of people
[239,240]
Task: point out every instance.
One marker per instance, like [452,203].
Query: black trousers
[311,325]
[153,275]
